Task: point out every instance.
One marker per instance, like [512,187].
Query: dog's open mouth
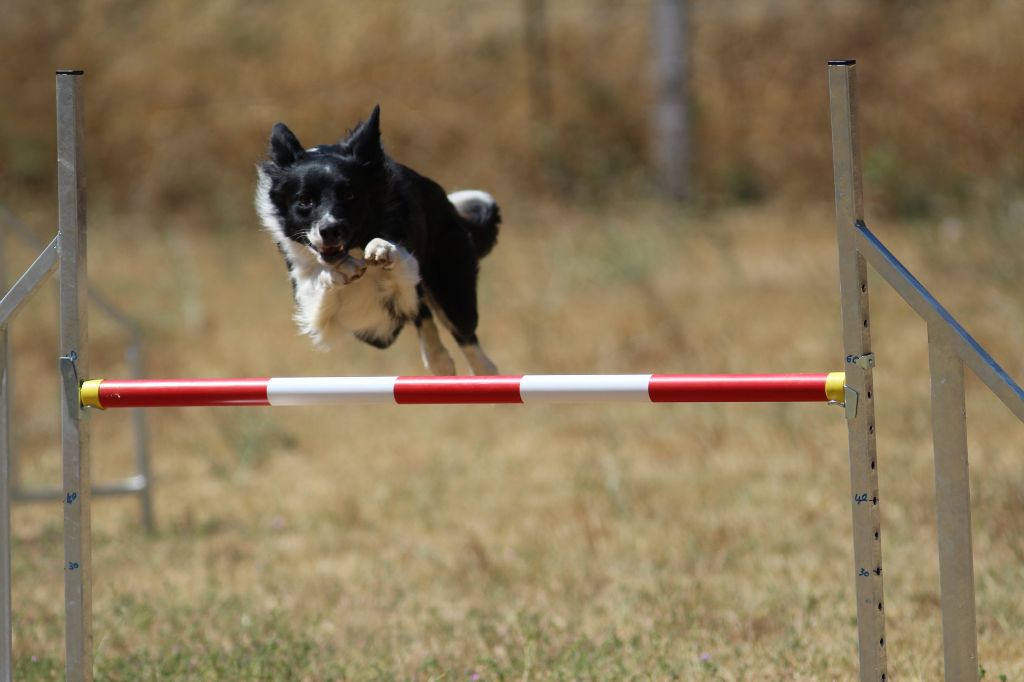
[332,254]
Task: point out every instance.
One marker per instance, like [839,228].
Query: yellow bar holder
[835,387]
[89,393]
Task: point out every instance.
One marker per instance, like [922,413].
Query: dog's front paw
[382,253]
[347,271]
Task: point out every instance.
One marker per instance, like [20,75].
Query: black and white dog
[371,244]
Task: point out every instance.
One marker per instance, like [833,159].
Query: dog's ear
[284,147]
[365,139]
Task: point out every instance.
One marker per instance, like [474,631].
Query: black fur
[362,194]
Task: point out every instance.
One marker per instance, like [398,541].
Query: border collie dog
[371,244]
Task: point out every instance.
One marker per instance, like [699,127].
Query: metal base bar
[126,486]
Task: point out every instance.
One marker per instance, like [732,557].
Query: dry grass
[522,543]
[571,542]
[182,95]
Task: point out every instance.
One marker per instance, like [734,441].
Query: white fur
[324,307]
[465,201]
[468,196]
[383,253]
[346,296]
[314,232]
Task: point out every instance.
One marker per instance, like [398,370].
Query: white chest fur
[325,303]
[374,305]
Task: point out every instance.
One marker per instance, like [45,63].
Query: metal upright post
[8,458]
[74,363]
[6,665]
[953,507]
[867,546]
[6,487]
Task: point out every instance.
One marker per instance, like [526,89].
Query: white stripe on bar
[331,390]
[564,388]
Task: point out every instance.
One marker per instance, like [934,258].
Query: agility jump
[466,390]
[951,349]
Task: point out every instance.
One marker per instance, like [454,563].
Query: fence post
[953,508]
[853,283]
[671,142]
[74,363]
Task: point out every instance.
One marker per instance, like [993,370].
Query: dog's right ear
[284,147]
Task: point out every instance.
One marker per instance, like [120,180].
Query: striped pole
[463,390]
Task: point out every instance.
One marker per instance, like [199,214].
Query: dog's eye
[348,196]
[305,202]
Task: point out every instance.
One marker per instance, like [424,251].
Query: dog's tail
[480,212]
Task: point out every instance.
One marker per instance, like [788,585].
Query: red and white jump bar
[463,390]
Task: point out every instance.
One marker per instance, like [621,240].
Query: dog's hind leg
[477,359]
[451,292]
[463,328]
[435,356]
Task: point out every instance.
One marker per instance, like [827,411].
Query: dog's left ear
[365,139]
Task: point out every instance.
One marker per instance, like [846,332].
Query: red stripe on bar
[737,388]
[457,390]
[183,392]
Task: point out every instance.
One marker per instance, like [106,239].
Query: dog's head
[327,198]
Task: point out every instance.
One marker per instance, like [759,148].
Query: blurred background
[527,97]
[664,170]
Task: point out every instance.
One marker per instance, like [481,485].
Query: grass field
[523,543]
[528,543]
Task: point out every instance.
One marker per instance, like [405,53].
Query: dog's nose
[330,234]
